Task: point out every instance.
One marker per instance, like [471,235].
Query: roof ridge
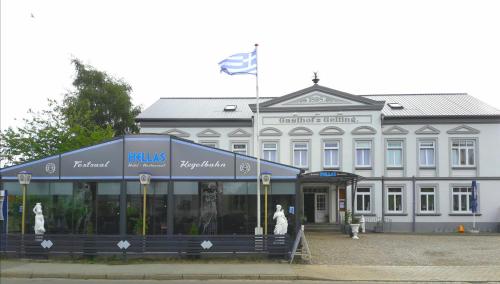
[417,94]
[211,98]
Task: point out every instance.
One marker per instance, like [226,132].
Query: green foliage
[194,230]
[100,99]
[98,109]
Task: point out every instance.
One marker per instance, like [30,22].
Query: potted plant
[355,228]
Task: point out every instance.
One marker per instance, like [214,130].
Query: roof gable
[395,130]
[208,133]
[427,130]
[239,133]
[318,97]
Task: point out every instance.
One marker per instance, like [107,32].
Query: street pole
[144,210]
[265,209]
[23,220]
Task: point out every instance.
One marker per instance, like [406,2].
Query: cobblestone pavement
[404,249]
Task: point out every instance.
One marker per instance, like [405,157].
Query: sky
[171,48]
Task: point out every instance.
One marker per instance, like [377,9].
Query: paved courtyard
[405,249]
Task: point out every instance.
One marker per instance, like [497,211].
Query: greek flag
[240,63]
[474,197]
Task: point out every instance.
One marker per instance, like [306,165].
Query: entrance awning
[330,177]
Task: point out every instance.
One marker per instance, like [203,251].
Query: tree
[47,133]
[99,99]
[98,109]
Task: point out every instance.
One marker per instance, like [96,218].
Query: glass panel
[234,208]
[394,144]
[186,208]
[462,157]
[427,189]
[463,202]
[454,153]
[283,188]
[423,202]
[296,158]
[431,202]
[394,189]
[363,190]
[399,203]
[430,157]
[84,207]
[363,144]
[391,202]
[359,202]
[328,158]
[60,219]
[331,144]
[455,202]
[367,202]
[471,157]
[108,208]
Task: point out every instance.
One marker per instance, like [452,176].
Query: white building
[418,153]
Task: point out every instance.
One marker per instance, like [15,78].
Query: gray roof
[199,108]
[435,105]
[414,105]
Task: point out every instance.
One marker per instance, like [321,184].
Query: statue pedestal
[39,238]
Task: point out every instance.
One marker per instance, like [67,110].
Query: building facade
[417,154]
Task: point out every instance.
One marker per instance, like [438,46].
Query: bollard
[362,224]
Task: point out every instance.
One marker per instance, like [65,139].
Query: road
[70,281]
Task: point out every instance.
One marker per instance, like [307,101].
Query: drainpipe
[414,204]
[383,205]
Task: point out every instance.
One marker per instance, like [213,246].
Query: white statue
[39,221]
[281,226]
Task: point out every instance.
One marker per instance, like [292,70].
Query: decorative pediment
[270,131]
[331,130]
[239,133]
[300,131]
[177,132]
[317,98]
[463,129]
[395,130]
[208,133]
[427,130]
[363,130]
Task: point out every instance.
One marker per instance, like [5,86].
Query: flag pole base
[258,231]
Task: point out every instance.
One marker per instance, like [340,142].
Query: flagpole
[258,229]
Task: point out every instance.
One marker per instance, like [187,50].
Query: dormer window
[230,108]
[395,105]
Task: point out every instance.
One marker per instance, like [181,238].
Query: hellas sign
[147,159]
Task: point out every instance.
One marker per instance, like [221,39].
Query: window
[427,200]
[230,108]
[240,148]
[300,154]
[363,200]
[395,105]
[395,200]
[270,151]
[212,144]
[394,153]
[462,200]
[463,152]
[427,150]
[331,154]
[363,153]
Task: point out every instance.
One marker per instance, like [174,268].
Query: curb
[158,276]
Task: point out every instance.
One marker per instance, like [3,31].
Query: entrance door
[309,207]
[320,208]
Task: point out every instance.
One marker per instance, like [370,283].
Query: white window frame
[463,146]
[393,195]
[427,194]
[390,149]
[370,154]
[363,195]
[276,150]
[461,191]
[325,148]
[301,165]
[426,148]
[238,150]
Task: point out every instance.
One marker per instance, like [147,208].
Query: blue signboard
[328,174]
[474,197]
